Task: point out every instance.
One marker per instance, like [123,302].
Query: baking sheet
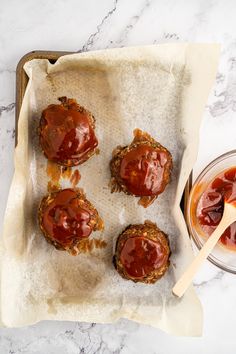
[161,89]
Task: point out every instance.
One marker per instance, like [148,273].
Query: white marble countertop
[86,25]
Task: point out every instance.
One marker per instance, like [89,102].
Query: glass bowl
[221,256]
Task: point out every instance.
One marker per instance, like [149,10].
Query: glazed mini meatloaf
[142,168]
[66,217]
[142,253]
[66,133]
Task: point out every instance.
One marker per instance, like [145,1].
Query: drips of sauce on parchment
[55,172]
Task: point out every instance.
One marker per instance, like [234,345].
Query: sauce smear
[54,172]
[210,207]
[75,178]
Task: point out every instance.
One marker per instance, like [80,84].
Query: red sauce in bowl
[210,206]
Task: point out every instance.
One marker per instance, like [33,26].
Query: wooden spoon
[229,216]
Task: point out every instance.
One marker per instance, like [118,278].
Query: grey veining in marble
[77,25]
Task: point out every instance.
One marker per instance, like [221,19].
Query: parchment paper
[159,89]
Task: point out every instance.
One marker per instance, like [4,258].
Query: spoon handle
[185,280]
